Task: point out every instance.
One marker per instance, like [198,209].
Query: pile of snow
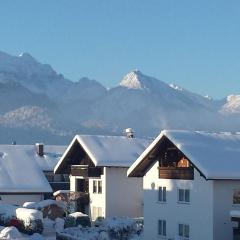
[43,204]
[111,228]
[80,233]
[78,214]
[117,224]
[31,219]
[10,233]
[27,215]
[61,192]
[7,211]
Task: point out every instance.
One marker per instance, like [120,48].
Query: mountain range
[39,104]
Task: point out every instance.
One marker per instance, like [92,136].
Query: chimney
[129,132]
[40,149]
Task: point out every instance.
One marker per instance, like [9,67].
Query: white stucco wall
[124,196]
[223,204]
[198,214]
[121,196]
[98,199]
[72,183]
[21,199]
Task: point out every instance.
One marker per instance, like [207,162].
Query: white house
[98,172]
[26,172]
[191,183]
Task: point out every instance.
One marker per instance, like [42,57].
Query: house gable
[173,163]
[74,155]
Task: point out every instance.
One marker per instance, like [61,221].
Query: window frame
[99,187]
[95,186]
[233,196]
[162,227]
[184,231]
[162,194]
[184,195]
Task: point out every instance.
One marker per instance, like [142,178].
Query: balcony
[186,173]
[86,171]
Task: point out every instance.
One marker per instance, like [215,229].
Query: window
[97,186]
[183,195]
[94,186]
[183,231]
[236,197]
[162,194]
[162,227]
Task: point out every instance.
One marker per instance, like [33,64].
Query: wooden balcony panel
[86,172]
[186,173]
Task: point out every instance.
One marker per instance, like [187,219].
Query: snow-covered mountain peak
[232,104]
[134,80]
[26,56]
[208,97]
[233,98]
[174,86]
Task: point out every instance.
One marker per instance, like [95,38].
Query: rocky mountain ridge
[38,104]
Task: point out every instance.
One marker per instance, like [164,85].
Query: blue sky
[194,44]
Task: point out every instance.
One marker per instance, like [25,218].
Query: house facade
[98,175]
[191,183]
[26,172]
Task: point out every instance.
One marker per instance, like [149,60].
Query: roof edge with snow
[142,164]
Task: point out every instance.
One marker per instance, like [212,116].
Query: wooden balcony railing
[80,170]
[186,173]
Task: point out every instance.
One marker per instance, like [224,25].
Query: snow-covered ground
[106,229]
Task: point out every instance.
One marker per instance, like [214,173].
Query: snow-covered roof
[21,168]
[216,155]
[108,151]
[43,204]
[235,214]
[58,192]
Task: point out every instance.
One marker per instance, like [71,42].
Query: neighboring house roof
[216,155]
[107,151]
[21,168]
